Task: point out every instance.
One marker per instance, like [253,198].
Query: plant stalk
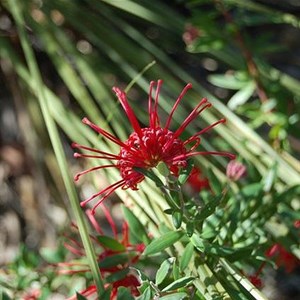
[15,7]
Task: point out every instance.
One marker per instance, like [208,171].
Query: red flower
[197,181]
[146,147]
[283,258]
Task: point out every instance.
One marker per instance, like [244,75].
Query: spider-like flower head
[147,147]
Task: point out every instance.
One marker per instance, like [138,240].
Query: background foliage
[226,49]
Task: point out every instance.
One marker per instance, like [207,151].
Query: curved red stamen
[78,146]
[195,136]
[107,135]
[74,250]
[184,91]
[110,221]
[152,84]
[182,156]
[209,127]
[105,196]
[78,155]
[195,112]
[125,231]
[107,191]
[78,175]
[196,140]
[102,132]
[154,119]
[128,110]
[94,221]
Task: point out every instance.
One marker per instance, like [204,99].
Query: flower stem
[15,7]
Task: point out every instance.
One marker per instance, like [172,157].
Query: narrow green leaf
[177,296]
[147,295]
[255,293]
[186,256]
[214,182]
[185,173]
[240,254]
[163,242]
[198,242]
[175,271]
[117,275]
[177,219]
[163,270]
[136,227]
[208,209]
[208,233]
[124,294]
[270,178]
[252,190]
[110,243]
[219,250]
[227,81]
[142,11]
[4,296]
[150,175]
[190,227]
[163,169]
[242,96]
[106,294]
[213,249]
[179,283]
[113,260]
[168,211]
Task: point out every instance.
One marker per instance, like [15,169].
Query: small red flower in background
[133,253]
[197,181]
[33,294]
[191,34]
[235,170]
[149,146]
[255,278]
[297,224]
[256,281]
[283,258]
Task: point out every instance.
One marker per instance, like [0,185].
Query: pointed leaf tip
[163,242]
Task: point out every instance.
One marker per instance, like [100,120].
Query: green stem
[211,285]
[56,143]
